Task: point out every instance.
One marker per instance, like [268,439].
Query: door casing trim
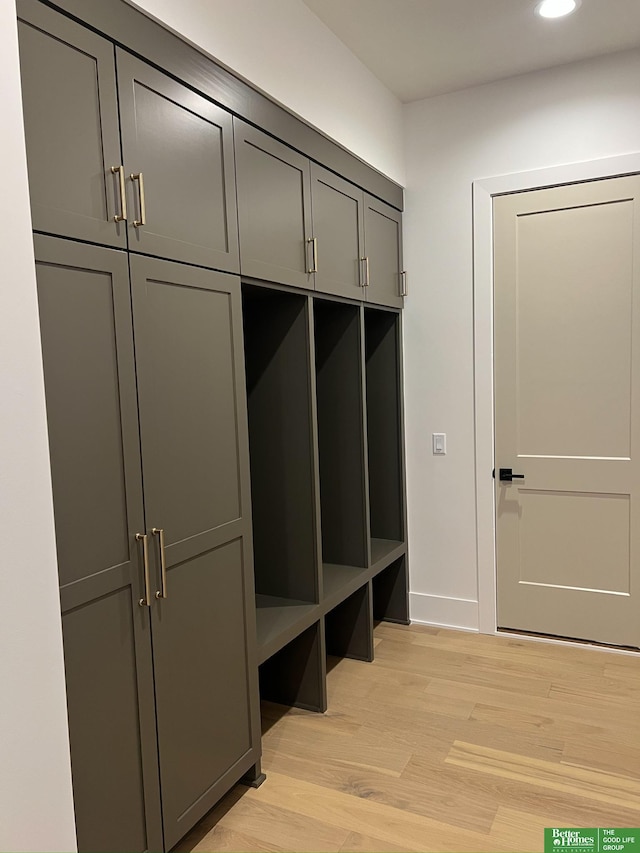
[484,191]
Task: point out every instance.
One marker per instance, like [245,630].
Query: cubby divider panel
[278,360]
[390,593]
[349,626]
[341,433]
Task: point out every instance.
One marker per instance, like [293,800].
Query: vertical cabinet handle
[123,194]
[314,254]
[403,289]
[137,176]
[162,592]
[146,601]
[365,281]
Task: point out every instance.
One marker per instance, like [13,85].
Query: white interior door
[567,410]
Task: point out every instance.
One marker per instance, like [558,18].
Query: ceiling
[421,48]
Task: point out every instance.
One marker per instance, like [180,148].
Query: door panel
[201,683]
[338,226]
[567,343]
[100,663]
[85,319]
[71,127]
[190,372]
[274,208]
[183,145]
[383,243]
[84,415]
[575,265]
[187,365]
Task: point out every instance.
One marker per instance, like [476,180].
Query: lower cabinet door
[87,349]
[202,689]
[190,374]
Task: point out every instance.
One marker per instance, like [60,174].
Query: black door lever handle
[507,475]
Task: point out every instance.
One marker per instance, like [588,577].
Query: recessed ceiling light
[556,8]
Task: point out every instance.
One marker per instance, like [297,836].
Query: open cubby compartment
[281,411]
[297,674]
[349,626]
[341,446]
[384,431]
[390,593]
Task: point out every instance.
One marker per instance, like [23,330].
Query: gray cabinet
[304,226]
[193,429]
[71,125]
[160,676]
[386,281]
[338,229]
[85,319]
[274,209]
[178,157]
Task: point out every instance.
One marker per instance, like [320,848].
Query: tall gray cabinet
[219,291]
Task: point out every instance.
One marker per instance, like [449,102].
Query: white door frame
[483,193]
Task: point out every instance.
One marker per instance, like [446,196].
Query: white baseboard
[445,612]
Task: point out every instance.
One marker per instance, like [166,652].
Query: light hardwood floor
[448,741]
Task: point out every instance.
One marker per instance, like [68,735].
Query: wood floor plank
[363,816]
[282,826]
[434,795]
[621,717]
[610,756]
[591,784]
[358,843]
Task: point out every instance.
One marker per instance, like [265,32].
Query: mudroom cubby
[282,430]
[341,447]
[327,479]
[384,432]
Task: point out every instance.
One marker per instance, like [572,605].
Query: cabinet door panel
[201,684]
[274,208]
[383,239]
[182,144]
[190,371]
[71,127]
[338,226]
[85,319]
[187,365]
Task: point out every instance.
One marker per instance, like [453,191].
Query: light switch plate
[439,443]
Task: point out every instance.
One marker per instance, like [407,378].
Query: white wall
[281,47]
[36,810]
[579,112]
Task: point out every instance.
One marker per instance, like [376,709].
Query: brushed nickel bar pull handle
[137,176]
[162,592]
[365,260]
[123,194]
[146,601]
[314,254]
[403,277]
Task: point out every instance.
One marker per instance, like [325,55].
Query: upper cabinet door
[178,154]
[383,246]
[338,229]
[274,209]
[71,127]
